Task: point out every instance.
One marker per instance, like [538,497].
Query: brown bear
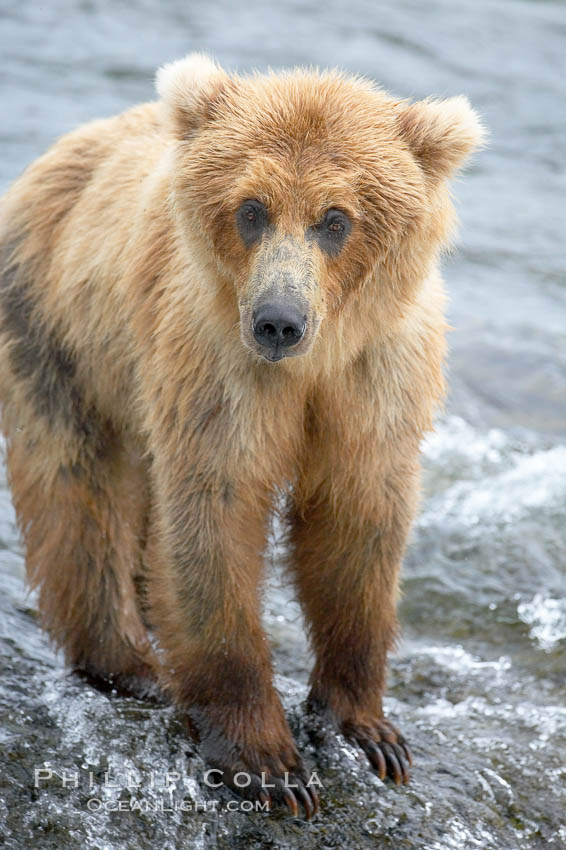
[211,302]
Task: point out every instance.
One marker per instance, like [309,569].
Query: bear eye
[252,219]
[332,230]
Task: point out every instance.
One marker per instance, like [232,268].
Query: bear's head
[313,192]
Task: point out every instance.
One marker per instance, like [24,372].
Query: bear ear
[441,133]
[188,88]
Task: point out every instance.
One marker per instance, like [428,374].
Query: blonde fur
[147,436]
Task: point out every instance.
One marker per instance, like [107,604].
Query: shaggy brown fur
[145,425]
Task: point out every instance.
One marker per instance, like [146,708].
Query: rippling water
[478,683]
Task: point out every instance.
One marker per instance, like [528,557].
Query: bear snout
[278,326]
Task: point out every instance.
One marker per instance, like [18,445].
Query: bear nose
[278,325]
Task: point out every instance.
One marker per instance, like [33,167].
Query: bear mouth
[273,356]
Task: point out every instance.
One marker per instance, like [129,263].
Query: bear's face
[310,188]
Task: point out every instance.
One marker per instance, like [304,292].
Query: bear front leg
[206,560]
[350,520]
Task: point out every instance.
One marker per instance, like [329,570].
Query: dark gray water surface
[478,684]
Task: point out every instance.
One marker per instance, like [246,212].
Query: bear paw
[249,771]
[274,784]
[385,747]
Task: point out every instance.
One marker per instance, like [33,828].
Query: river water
[478,683]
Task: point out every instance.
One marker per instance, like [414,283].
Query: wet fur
[146,436]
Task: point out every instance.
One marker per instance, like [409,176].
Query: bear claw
[273,790]
[386,749]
